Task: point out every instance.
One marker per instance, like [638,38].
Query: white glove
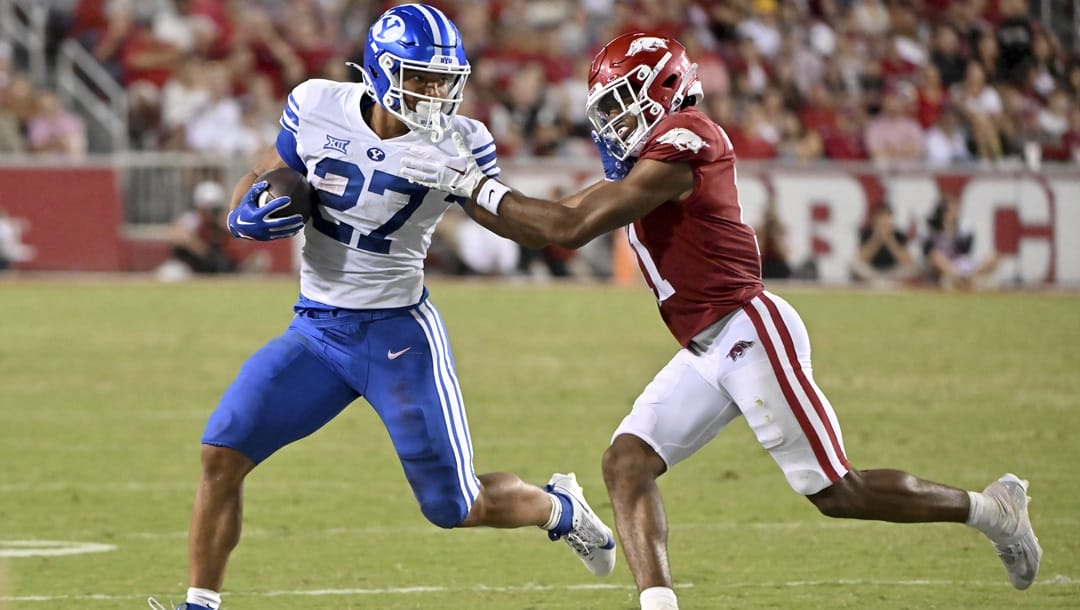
[457,175]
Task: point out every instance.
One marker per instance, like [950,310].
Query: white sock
[986,515]
[658,598]
[204,597]
[556,513]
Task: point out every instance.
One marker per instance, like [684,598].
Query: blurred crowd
[33,119]
[894,81]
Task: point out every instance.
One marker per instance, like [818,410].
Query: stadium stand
[975,84]
[779,73]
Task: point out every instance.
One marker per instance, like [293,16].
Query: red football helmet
[635,81]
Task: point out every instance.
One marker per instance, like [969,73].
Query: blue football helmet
[416,37]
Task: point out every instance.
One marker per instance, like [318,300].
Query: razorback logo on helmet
[646,43]
[683,139]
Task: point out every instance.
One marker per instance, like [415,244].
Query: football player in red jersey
[670,181]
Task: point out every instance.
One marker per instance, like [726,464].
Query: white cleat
[588,537]
[1018,549]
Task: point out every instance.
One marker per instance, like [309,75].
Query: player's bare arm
[580,218]
[266,160]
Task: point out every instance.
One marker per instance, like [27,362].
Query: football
[287,182]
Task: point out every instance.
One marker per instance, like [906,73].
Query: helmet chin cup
[428,115]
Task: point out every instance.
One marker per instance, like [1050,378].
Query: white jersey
[367,240]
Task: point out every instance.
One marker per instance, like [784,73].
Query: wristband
[490,194]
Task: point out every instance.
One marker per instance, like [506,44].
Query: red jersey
[698,255]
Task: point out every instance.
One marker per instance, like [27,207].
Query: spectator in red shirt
[755,138]
[930,96]
[818,114]
[301,32]
[894,67]
[255,32]
[846,141]
[147,59]
[102,26]
[1054,125]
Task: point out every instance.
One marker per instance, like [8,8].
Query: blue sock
[566,520]
[191,606]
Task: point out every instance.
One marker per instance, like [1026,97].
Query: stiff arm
[602,207]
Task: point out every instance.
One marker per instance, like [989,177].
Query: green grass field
[105,386]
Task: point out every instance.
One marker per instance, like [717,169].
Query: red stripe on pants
[804,381]
[789,393]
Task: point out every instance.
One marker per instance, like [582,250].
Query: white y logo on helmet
[389,29]
[683,139]
[646,43]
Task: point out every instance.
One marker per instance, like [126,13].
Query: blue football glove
[249,221]
[613,168]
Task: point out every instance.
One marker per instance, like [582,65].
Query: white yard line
[50,548]
[1053,581]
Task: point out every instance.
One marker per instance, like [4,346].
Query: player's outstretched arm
[570,223]
[596,210]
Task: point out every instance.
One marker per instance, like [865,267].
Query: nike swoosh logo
[455,170]
[395,355]
[241,221]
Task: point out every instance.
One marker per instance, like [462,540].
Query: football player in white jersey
[364,325]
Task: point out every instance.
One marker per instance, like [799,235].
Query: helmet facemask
[611,107]
[630,99]
[430,114]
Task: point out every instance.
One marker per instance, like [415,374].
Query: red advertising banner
[69,217]
[1030,218]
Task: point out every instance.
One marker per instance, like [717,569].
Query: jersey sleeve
[287,142]
[687,137]
[481,144]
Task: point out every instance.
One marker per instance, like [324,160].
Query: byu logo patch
[646,43]
[338,144]
[683,139]
[376,154]
[391,28]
